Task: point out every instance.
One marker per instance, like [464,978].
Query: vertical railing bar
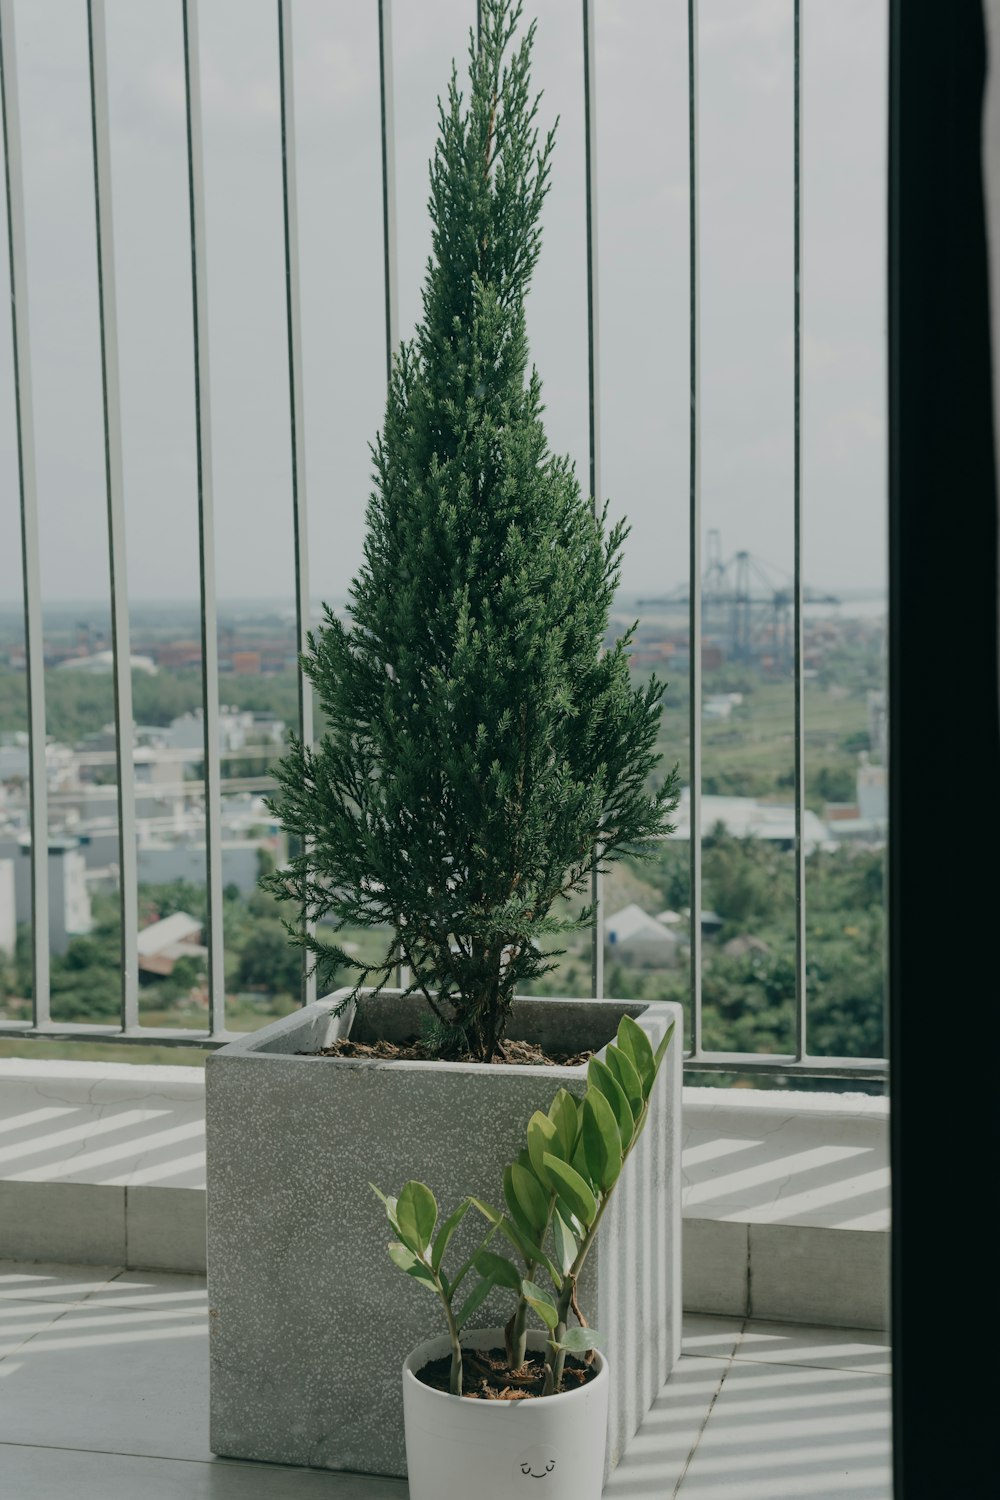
[593,401]
[293,318]
[388,138]
[27,483]
[388,183]
[114,478]
[801,996]
[206,522]
[694,523]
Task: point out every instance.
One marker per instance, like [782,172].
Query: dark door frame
[944,757]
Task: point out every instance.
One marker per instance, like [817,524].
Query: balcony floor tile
[778,1432]
[824,1348]
[48,1473]
[105,1397]
[36,1281]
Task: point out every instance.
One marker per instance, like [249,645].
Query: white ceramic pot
[549,1448]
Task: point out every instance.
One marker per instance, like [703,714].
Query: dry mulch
[510,1052]
[487,1377]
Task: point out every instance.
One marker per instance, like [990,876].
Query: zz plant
[555,1192]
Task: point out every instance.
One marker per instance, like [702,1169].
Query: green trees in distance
[480,745]
[749,997]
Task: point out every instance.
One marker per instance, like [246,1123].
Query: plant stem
[519,1335]
[455,1383]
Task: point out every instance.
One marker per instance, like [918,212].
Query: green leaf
[601,1140]
[579,1340]
[476,1297]
[416,1215]
[600,1077]
[579,1162]
[498,1269]
[513,1206]
[542,1137]
[493,1215]
[541,1303]
[573,1189]
[533,1200]
[446,1231]
[565,1241]
[565,1116]
[661,1050]
[636,1044]
[624,1072]
[390,1206]
[532,1252]
[405,1259]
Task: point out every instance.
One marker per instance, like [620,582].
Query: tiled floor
[104,1396]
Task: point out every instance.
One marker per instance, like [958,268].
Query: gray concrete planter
[310,1321]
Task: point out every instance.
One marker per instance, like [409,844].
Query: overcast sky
[746,280]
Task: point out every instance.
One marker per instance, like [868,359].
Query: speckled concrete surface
[310,1321]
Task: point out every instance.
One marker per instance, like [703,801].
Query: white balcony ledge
[786,1194]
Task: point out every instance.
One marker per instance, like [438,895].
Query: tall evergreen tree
[481,746]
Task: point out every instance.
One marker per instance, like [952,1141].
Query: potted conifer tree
[482,751]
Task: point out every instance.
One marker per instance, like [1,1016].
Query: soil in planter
[414,1050]
[485,1375]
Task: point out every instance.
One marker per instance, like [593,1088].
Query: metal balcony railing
[129,1027]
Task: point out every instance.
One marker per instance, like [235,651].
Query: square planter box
[310,1320]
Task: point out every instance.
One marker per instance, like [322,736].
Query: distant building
[878,723]
[69,898]
[873,790]
[634,937]
[711,922]
[720,705]
[162,943]
[745,817]
[15,760]
[245,663]
[237,728]
[100,663]
[162,861]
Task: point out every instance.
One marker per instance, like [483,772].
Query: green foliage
[419,1252]
[480,744]
[739,875]
[749,998]
[267,959]
[556,1192]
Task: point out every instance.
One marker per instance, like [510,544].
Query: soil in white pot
[486,1374]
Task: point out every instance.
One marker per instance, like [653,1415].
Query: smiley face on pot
[534,1464]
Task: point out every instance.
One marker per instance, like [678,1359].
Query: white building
[237,728]
[873,791]
[632,936]
[101,663]
[162,943]
[745,817]
[69,897]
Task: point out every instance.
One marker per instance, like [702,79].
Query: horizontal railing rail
[210,785]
